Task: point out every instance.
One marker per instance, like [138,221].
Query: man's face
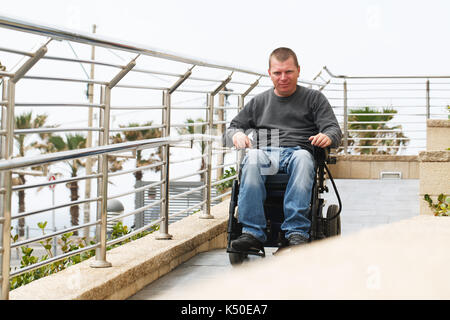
[284,76]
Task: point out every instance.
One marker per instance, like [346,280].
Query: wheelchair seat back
[273,208]
[276,185]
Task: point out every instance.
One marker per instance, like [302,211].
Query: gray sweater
[293,119]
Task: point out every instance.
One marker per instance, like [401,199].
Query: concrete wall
[438,134]
[435,163]
[371,166]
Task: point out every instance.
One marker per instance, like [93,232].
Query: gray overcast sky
[352,37]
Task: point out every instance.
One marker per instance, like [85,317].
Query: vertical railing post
[89,160]
[241,103]
[428,111]
[240,153]
[7,150]
[220,129]
[206,212]
[102,184]
[4,264]
[345,118]
[102,215]
[165,172]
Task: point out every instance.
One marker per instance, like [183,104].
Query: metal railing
[385,114]
[158,91]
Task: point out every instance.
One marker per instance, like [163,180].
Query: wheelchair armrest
[320,154]
[323,155]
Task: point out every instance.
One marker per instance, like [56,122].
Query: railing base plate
[164,236]
[100,264]
[206,216]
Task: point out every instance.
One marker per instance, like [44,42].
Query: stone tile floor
[366,203]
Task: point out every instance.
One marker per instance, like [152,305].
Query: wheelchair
[322,226]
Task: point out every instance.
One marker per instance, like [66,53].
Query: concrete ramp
[368,203]
[403,260]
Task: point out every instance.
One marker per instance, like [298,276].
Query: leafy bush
[441,207]
[229,183]
[67,244]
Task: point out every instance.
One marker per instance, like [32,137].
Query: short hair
[282,54]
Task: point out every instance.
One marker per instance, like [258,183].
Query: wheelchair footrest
[261,253]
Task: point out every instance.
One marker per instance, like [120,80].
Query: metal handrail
[387,76]
[94,151]
[60,33]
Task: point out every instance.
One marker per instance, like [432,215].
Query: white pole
[53,220]
[87,193]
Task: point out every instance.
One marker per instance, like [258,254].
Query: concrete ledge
[402,260]
[371,166]
[434,156]
[134,265]
[376,157]
[438,123]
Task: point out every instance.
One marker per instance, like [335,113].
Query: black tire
[236,258]
[333,225]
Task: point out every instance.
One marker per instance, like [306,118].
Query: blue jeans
[257,165]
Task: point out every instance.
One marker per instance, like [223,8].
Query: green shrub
[441,207]
[229,183]
[67,244]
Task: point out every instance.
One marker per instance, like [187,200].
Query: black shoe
[296,239]
[247,242]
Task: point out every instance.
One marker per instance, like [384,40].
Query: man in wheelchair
[288,121]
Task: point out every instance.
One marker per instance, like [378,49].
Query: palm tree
[70,142]
[26,121]
[134,135]
[376,121]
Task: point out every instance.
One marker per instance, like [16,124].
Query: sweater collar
[288,98]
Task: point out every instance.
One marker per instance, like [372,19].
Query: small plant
[229,183]
[46,243]
[119,230]
[67,243]
[441,207]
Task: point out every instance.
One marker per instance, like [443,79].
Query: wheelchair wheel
[334,225]
[236,258]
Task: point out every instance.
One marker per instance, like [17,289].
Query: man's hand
[241,140]
[320,140]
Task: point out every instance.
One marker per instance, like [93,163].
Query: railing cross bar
[30,63]
[180,81]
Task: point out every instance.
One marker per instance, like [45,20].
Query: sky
[351,37]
